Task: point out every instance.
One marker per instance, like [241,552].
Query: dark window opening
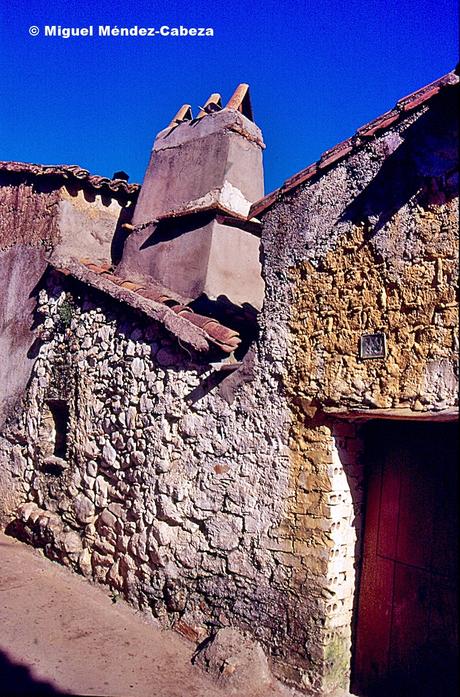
[55,428]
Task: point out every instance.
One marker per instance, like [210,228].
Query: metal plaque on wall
[373,345]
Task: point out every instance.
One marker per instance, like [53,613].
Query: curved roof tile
[72,172]
[139,293]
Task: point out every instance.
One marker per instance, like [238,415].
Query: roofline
[156,302]
[75,174]
[352,144]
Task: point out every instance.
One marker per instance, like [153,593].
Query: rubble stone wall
[40,217]
[367,246]
[168,493]
[371,246]
[237,501]
[178,498]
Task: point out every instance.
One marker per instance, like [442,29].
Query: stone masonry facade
[169,496]
[220,497]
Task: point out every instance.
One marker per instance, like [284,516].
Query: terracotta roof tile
[154,294]
[335,153]
[228,339]
[267,201]
[180,309]
[96,267]
[199,320]
[110,277]
[300,177]
[132,286]
[425,93]
[378,124]
[343,149]
[223,334]
[225,338]
[72,173]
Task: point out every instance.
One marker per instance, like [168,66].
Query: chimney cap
[241,101]
[212,104]
[184,114]
[121,175]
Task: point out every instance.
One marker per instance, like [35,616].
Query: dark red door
[406,632]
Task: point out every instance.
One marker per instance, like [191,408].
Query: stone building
[236,410]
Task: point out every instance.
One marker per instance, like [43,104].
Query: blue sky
[318,69]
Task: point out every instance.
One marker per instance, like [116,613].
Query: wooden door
[406,632]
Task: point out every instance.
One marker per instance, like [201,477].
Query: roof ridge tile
[68,172]
[222,336]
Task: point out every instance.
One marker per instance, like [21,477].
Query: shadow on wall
[120,235]
[18,680]
[427,153]
[126,213]
[170,229]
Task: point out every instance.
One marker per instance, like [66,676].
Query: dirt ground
[61,635]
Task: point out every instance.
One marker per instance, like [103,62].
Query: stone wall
[40,217]
[28,231]
[371,246]
[182,500]
[90,224]
[167,493]
[238,500]
[367,246]
[319,542]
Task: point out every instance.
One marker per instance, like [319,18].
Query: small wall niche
[54,429]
